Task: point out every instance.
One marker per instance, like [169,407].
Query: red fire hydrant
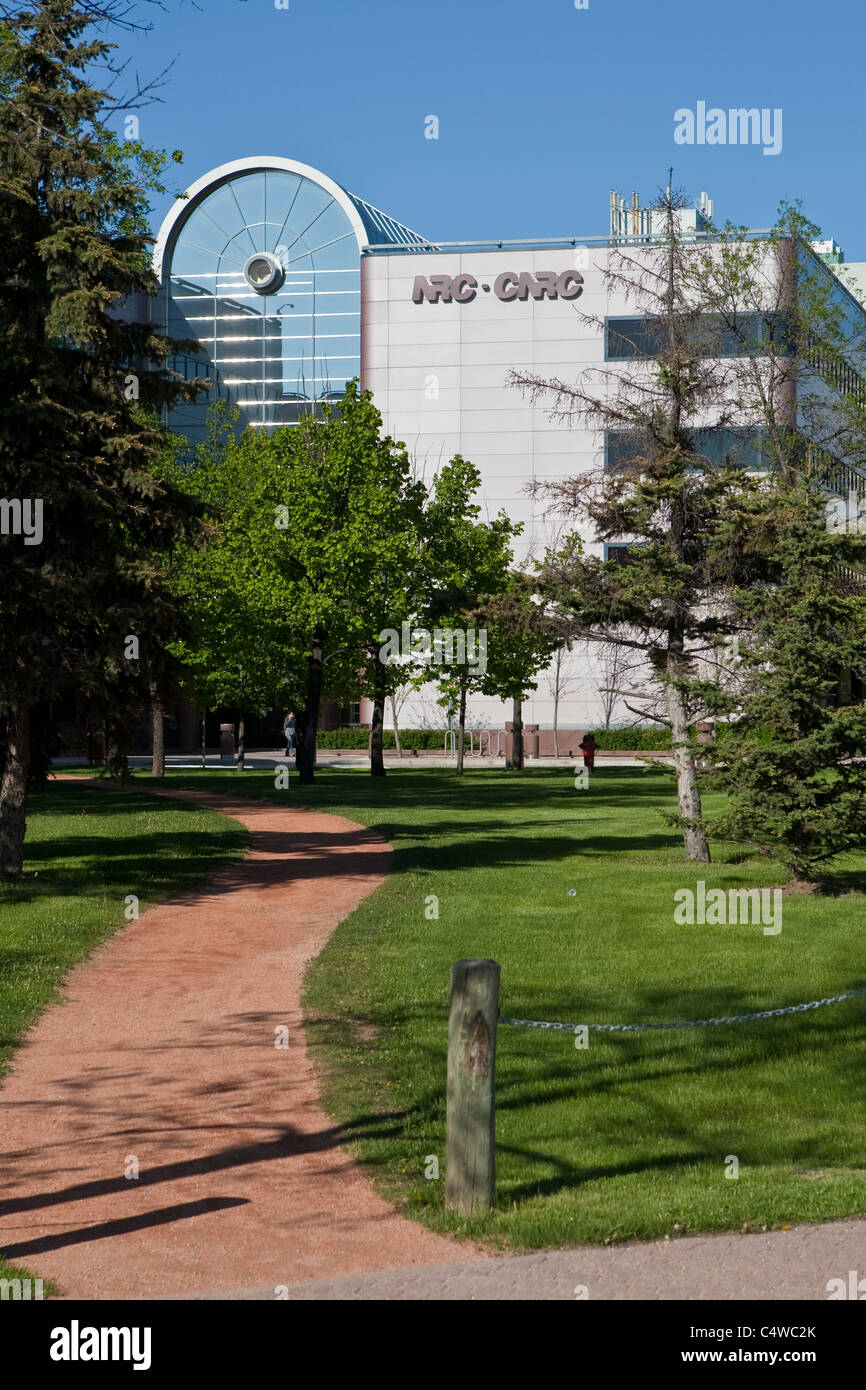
[587,747]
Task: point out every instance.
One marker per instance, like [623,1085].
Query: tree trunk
[396,730]
[461,731]
[557,692]
[157,762]
[242,740]
[13,791]
[516,761]
[306,745]
[688,795]
[377,748]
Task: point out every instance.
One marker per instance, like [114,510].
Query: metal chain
[691,1023]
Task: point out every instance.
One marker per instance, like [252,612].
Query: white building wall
[438,373]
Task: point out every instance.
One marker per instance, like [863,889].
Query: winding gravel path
[163,1054]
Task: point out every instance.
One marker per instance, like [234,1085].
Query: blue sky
[542,108]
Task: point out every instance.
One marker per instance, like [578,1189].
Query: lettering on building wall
[509,285]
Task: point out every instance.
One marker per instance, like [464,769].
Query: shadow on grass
[160,862]
[537,1071]
[476,790]
[288,857]
[568,1175]
[838,882]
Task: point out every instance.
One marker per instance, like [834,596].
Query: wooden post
[470,1121]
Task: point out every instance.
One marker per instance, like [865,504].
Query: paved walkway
[795,1264]
[163,1055]
[351,760]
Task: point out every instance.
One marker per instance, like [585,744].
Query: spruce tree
[792,756]
[657,404]
[744,381]
[82,384]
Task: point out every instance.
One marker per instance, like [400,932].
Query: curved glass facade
[279,332]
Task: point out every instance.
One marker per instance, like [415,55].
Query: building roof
[382,229]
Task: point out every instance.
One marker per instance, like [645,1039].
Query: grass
[572,892]
[87,848]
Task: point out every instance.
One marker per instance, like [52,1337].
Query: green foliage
[792,758]
[242,649]
[82,384]
[344,738]
[465,559]
[625,1140]
[521,640]
[620,740]
[321,538]
[418,738]
[615,740]
[359,738]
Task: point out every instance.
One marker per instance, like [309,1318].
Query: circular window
[264,272]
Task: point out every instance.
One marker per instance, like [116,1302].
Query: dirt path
[164,1053]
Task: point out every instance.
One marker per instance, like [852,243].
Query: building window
[642,338]
[351,714]
[618,551]
[836,372]
[730,448]
[276,347]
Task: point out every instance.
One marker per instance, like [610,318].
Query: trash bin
[706,733]
[227,743]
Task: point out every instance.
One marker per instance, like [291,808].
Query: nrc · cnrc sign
[462,289]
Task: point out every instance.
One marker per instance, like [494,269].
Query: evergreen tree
[79,436]
[660,493]
[740,377]
[792,757]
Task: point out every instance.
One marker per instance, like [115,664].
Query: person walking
[289,733]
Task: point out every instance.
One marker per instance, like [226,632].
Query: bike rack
[488,734]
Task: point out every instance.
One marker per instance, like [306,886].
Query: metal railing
[377,248]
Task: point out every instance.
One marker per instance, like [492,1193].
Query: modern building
[293,286]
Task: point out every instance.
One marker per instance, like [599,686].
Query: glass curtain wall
[264,273]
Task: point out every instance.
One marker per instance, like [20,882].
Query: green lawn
[630,1137]
[87,848]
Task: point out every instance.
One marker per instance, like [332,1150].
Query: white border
[262,163]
